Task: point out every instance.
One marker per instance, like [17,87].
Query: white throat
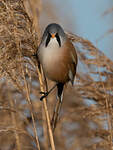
[53,44]
[52,50]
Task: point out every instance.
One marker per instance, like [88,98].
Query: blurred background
[89,19]
[86,118]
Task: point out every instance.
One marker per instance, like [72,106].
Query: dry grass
[86,118]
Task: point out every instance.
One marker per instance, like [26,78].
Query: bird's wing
[73,61]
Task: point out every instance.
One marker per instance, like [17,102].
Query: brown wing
[71,55]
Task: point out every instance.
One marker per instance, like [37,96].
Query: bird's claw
[42,92]
[44,95]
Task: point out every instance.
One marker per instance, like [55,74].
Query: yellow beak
[53,35]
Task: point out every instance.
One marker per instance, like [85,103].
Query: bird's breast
[51,58]
[59,63]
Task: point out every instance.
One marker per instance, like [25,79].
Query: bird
[58,58]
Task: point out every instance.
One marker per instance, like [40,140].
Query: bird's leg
[45,94]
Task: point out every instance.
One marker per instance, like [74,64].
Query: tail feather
[60,87]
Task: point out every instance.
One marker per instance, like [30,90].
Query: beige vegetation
[23,122]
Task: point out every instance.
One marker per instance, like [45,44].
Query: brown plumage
[63,68]
[57,56]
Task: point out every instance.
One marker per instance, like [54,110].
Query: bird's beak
[53,35]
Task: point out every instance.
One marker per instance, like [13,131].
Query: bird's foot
[45,94]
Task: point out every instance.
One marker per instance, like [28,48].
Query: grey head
[57,31]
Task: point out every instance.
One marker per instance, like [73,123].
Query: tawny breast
[58,62]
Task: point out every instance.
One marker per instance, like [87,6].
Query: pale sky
[84,17]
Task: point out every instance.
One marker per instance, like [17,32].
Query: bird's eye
[48,39]
[58,39]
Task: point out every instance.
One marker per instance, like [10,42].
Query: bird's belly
[54,68]
[56,73]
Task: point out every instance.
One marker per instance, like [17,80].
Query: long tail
[58,105]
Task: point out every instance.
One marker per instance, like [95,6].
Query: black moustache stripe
[48,39]
[58,39]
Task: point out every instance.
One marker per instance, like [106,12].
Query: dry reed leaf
[87,107]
